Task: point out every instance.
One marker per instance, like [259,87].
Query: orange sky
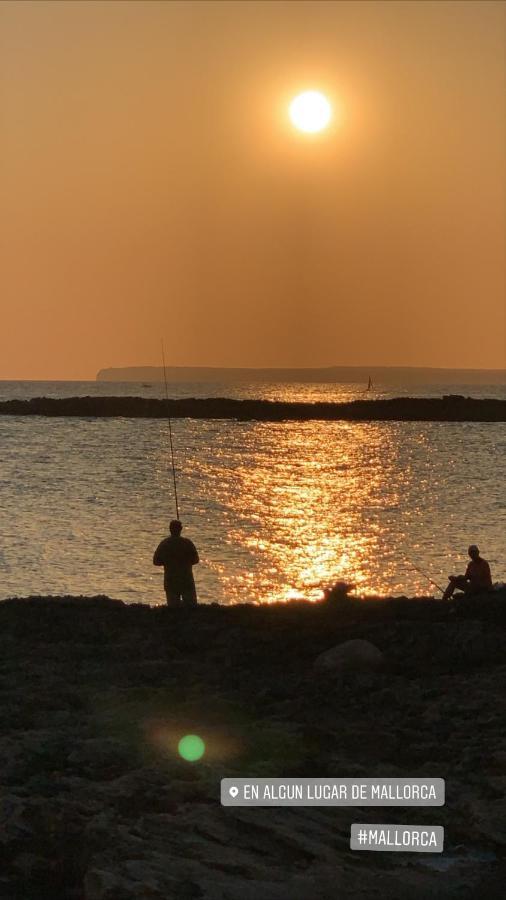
[152,185]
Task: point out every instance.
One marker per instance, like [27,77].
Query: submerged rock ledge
[451,408]
[95,695]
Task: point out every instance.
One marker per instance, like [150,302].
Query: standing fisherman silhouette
[177,555]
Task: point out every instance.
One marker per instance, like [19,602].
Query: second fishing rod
[171,442]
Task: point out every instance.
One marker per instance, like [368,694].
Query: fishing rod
[410,561]
[170,431]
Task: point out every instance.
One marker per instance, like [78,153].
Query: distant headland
[327,375]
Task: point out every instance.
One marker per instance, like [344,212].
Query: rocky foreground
[451,408]
[95,695]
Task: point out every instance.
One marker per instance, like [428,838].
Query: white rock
[357,656]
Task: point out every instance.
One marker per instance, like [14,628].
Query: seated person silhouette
[477,578]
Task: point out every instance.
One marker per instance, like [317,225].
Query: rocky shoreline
[451,408]
[97,805]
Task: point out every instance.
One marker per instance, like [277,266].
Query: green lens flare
[191,747]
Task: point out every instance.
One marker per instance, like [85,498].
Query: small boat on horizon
[370,385]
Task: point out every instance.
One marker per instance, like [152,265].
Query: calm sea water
[278,510]
[303,391]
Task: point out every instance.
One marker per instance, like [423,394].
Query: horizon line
[308,368]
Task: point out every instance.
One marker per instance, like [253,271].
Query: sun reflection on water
[303,508]
[277,510]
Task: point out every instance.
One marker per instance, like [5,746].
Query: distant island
[331,374]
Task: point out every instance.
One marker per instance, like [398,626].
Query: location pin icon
[233,791]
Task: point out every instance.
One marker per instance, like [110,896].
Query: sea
[278,511]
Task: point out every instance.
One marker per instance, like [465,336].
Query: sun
[310,111]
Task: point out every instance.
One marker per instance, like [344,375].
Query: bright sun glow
[310,111]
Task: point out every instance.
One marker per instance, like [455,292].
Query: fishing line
[410,561]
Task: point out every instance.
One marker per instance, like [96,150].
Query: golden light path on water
[277,510]
[308,504]
[302,505]
[310,531]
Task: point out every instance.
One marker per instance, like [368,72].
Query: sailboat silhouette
[369,384]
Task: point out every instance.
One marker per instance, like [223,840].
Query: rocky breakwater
[96,803]
[451,408]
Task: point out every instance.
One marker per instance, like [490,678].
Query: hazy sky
[151,184]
